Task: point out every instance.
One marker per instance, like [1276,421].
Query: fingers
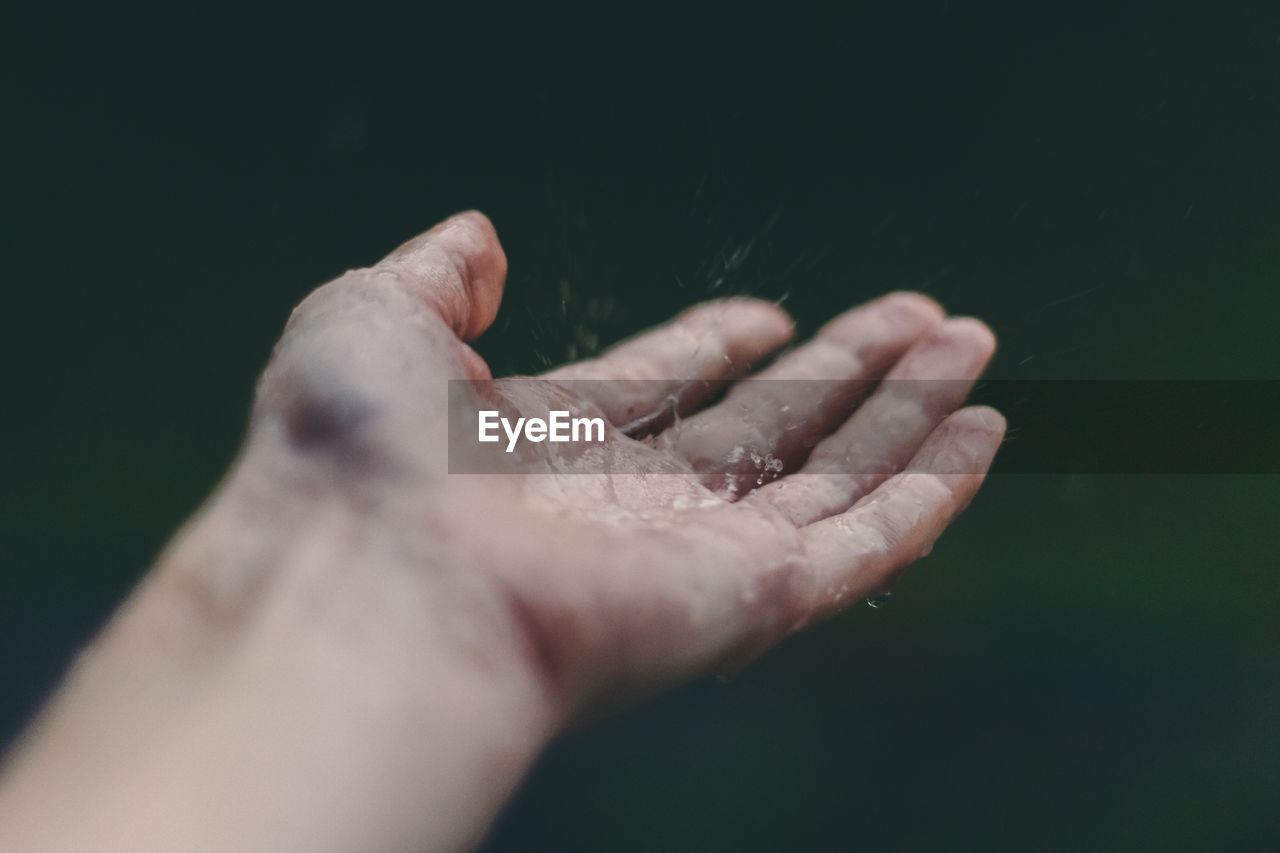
[458,268]
[858,553]
[763,428]
[879,439]
[680,363]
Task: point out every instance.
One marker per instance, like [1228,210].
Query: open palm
[719,515]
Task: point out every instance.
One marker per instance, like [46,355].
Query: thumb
[362,365]
[458,268]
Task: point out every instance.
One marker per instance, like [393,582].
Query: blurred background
[1087,661]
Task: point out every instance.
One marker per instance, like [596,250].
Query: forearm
[280,682]
[352,649]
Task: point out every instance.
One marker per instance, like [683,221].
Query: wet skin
[350,647]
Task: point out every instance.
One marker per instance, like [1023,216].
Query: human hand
[351,647]
[616,583]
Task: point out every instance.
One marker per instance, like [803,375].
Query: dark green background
[1085,662]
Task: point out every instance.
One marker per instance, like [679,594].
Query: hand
[378,647]
[616,583]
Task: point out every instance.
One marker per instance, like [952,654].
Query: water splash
[879,600]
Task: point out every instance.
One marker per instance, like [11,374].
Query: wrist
[296,670]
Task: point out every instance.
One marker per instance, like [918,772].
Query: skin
[351,648]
